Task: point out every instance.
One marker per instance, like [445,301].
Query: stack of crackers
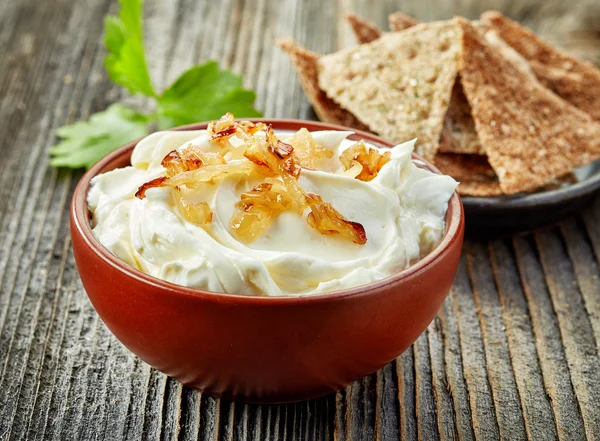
[489,102]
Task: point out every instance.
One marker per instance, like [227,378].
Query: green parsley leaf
[84,143]
[204,92]
[124,40]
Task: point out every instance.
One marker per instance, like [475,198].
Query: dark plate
[508,214]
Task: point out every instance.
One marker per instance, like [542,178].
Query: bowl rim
[80,224]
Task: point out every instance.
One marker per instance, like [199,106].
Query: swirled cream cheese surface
[400,212]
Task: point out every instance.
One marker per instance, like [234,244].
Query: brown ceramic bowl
[262,349]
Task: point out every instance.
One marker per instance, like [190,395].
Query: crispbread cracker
[400,84]
[463,167]
[481,189]
[530,135]
[574,80]
[399,21]
[569,178]
[458,134]
[364,31]
[493,38]
[327,110]
[476,176]
[491,187]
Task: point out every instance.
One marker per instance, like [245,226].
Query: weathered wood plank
[244,425]
[226,418]
[172,411]
[62,344]
[278,429]
[153,418]
[591,219]
[22,230]
[120,365]
[457,386]
[20,375]
[586,271]
[339,433]
[93,411]
[387,424]
[405,372]
[369,405]
[34,328]
[190,414]
[19,305]
[73,402]
[360,409]
[426,410]
[575,327]
[140,390]
[286,423]
[311,420]
[48,377]
[266,422]
[535,403]
[355,410]
[499,367]
[209,418]
[441,393]
[551,352]
[485,424]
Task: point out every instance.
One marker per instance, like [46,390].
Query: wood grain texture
[553,363]
[575,327]
[535,403]
[457,386]
[485,422]
[441,396]
[513,353]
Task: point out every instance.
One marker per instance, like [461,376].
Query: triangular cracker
[399,21]
[364,31]
[480,189]
[463,167]
[475,174]
[326,109]
[400,84]
[459,135]
[530,135]
[477,177]
[574,80]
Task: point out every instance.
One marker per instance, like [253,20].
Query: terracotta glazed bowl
[262,349]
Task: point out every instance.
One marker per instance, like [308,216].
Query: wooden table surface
[513,353]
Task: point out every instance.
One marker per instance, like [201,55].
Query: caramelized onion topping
[227,126]
[276,159]
[223,128]
[158,182]
[258,209]
[209,174]
[198,214]
[327,220]
[279,164]
[308,152]
[190,158]
[368,158]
